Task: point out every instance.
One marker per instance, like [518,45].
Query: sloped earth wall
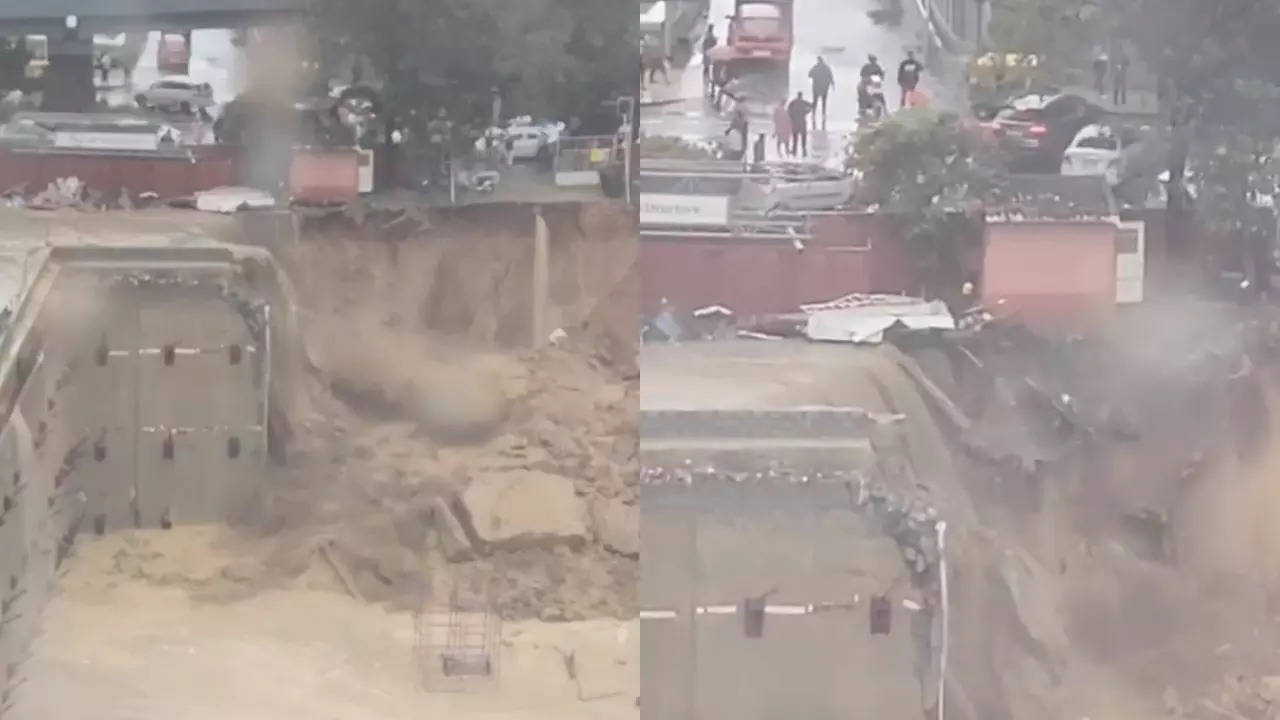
[135,389]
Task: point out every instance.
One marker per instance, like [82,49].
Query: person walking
[909,71]
[797,110]
[709,42]
[1100,63]
[1120,79]
[782,129]
[823,81]
[654,61]
[738,123]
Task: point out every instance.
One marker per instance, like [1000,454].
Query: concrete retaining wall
[134,389]
[710,545]
[785,515]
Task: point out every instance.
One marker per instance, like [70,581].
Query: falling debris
[61,193]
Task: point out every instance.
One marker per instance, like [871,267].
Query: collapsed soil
[141,628]
[424,375]
[1062,603]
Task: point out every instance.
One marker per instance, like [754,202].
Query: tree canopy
[921,163]
[554,59]
[1219,66]
[926,170]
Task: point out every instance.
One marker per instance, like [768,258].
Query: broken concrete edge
[909,518]
[456,521]
[799,421]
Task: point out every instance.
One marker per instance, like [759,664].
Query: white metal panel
[671,209]
[1130,262]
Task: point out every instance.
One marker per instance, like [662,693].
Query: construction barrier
[579,160]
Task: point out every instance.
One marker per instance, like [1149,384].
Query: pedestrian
[1100,63]
[797,109]
[909,71]
[104,68]
[757,150]
[738,123]
[655,61]
[871,67]
[1120,79]
[719,79]
[709,42]
[916,98]
[782,129]
[823,81]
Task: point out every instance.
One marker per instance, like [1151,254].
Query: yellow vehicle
[38,51]
[1003,73]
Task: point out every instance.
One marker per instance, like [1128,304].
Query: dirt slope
[424,380]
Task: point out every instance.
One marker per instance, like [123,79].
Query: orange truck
[173,56]
[760,32]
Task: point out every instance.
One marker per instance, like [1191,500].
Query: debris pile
[427,444]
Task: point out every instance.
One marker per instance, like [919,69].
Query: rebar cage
[458,636]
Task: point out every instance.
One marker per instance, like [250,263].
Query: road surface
[214,60]
[838,30]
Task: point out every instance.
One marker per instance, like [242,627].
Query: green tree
[1062,32]
[1221,71]
[551,58]
[927,171]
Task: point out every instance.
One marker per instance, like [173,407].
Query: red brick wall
[1051,274]
[109,174]
[771,276]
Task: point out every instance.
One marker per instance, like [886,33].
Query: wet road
[838,30]
[214,60]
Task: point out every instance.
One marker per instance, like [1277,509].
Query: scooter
[481,181]
[871,103]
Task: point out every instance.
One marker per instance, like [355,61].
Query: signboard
[668,209]
[89,140]
[1130,262]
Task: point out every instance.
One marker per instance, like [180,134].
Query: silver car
[176,93]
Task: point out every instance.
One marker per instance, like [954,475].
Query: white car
[526,140]
[176,93]
[1095,150]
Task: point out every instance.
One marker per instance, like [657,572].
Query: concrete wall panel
[178,395]
[668,587]
[209,484]
[72,452]
[799,545]
[177,389]
[111,463]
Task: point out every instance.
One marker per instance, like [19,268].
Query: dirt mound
[425,378]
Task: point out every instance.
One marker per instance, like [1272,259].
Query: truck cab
[761,29]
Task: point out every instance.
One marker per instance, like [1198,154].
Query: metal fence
[578,160]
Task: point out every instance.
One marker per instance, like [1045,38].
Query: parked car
[528,141]
[1095,150]
[1033,131]
[176,93]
